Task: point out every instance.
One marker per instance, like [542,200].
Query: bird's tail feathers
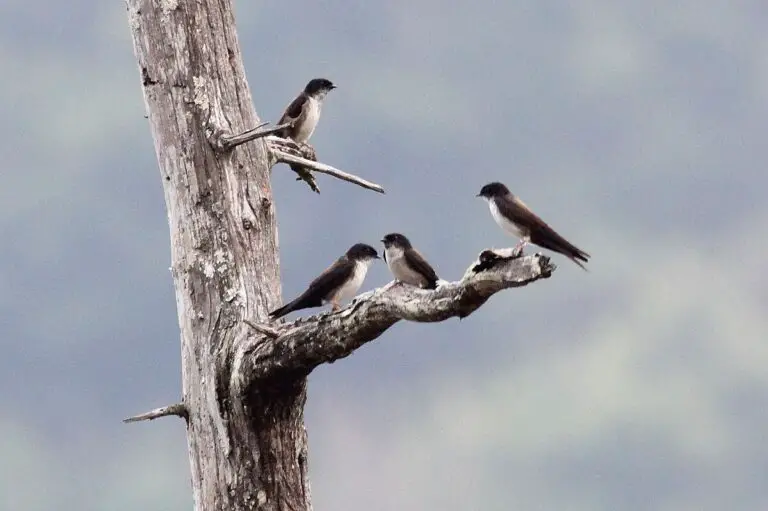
[576,260]
[287,308]
[569,250]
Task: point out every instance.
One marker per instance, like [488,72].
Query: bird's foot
[306,176]
[308,151]
[518,250]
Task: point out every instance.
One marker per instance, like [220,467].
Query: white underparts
[399,267]
[501,220]
[352,286]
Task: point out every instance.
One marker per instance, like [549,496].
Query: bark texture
[305,343]
[244,387]
[247,445]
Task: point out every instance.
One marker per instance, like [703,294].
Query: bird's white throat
[351,287]
[392,254]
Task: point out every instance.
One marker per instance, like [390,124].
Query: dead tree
[244,379]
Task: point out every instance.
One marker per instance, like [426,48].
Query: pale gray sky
[635,128]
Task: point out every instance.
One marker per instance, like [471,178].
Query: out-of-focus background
[637,129]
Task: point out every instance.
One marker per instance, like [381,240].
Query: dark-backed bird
[517,219]
[303,114]
[304,111]
[406,263]
[338,283]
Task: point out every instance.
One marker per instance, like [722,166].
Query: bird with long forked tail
[517,219]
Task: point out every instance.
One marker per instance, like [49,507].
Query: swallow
[304,112]
[339,282]
[517,219]
[406,263]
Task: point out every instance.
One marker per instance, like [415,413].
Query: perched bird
[517,219]
[406,263]
[304,111]
[339,282]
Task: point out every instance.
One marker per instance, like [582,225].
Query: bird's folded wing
[416,261]
[294,109]
[333,276]
[540,232]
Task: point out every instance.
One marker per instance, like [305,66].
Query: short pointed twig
[291,159]
[227,142]
[263,329]
[179,410]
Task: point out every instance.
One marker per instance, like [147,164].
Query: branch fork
[223,142]
[300,157]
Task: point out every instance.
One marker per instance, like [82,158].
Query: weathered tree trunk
[247,446]
[244,381]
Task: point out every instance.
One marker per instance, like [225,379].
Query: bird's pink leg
[518,250]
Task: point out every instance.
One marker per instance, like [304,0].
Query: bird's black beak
[479,195]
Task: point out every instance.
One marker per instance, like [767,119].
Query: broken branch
[224,142]
[283,151]
[179,410]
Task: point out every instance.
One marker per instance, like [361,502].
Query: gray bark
[244,388]
[224,254]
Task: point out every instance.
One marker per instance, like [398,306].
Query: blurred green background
[637,129]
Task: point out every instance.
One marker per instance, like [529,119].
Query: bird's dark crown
[494,189]
[361,252]
[395,238]
[318,84]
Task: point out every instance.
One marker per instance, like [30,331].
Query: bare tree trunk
[244,380]
[247,446]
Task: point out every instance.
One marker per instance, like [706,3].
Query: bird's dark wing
[333,276]
[516,211]
[320,288]
[539,231]
[416,261]
[294,110]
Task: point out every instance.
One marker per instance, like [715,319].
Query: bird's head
[396,239]
[319,87]
[362,252]
[492,190]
